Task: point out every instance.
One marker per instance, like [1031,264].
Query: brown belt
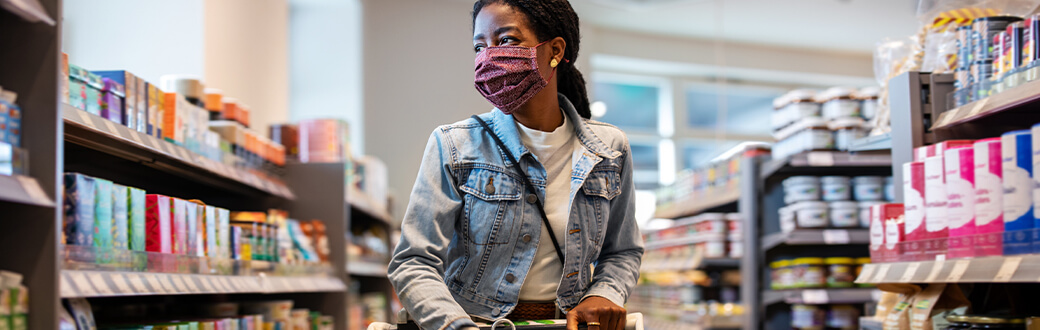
[533,311]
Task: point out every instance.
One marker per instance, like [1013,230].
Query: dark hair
[551,19]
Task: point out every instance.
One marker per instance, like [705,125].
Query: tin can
[1012,46]
[983,29]
[1030,33]
[978,78]
[964,47]
[998,54]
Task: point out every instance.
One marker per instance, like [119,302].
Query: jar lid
[863,260]
[839,261]
[798,95]
[779,264]
[846,122]
[189,86]
[834,93]
[868,179]
[867,93]
[835,179]
[997,320]
[734,217]
[807,261]
[809,205]
[960,318]
[865,204]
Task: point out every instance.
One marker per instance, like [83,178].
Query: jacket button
[531,198]
[527,238]
[510,278]
[496,311]
[489,189]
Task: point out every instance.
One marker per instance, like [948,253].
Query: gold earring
[554,63]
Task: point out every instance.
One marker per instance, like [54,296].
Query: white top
[554,150]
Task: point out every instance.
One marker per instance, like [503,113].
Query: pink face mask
[508,76]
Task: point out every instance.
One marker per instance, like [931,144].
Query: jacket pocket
[603,183]
[491,203]
[600,188]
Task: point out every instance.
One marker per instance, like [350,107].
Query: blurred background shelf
[76,283]
[827,162]
[817,237]
[23,190]
[693,206]
[996,269]
[820,296]
[366,268]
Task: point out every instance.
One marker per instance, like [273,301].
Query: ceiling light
[598,109]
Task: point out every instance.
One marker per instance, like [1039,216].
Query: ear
[558,46]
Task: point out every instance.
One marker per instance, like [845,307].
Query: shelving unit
[114,284]
[24,190]
[820,296]
[817,237]
[693,206]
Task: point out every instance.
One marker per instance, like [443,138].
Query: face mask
[508,76]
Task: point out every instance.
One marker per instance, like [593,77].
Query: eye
[479,47]
[508,40]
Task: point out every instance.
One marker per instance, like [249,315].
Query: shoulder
[609,134]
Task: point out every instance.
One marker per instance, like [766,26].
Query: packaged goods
[85,90]
[214,100]
[1012,46]
[81,312]
[158,229]
[782,276]
[102,213]
[898,318]
[178,226]
[154,102]
[847,130]
[1036,180]
[120,211]
[841,272]
[809,215]
[890,189]
[843,317]
[63,80]
[963,47]
[1030,36]
[79,196]
[193,243]
[188,86]
[136,216]
[836,188]
[130,111]
[935,221]
[869,98]
[173,118]
[940,148]
[288,136]
[224,234]
[960,207]
[324,140]
[933,300]
[890,218]
[877,238]
[210,222]
[807,134]
[807,316]
[844,214]
[998,56]
[112,96]
[989,195]
[868,188]
[235,240]
[809,272]
[837,102]
[914,203]
[801,188]
[980,73]
[793,106]
[984,29]
[864,212]
[1017,168]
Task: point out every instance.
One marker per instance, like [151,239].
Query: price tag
[815,297]
[112,128]
[820,159]
[868,270]
[138,283]
[178,283]
[911,270]
[936,269]
[32,188]
[86,119]
[153,282]
[882,271]
[836,236]
[1007,269]
[959,268]
[121,284]
[85,289]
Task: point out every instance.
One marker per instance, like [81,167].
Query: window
[629,106]
[698,153]
[747,109]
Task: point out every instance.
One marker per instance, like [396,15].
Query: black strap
[527,184]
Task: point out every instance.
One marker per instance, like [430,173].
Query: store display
[960,195]
[1017,168]
[10,120]
[225,315]
[805,210]
[806,120]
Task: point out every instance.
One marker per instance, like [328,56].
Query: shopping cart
[635,322]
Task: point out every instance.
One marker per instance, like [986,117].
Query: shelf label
[911,270]
[936,269]
[85,289]
[815,297]
[153,282]
[882,271]
[120,281]
[32,188]
[87,121]
[1007,269]
[138,283]
[820,159]
[959,268]
[836,236]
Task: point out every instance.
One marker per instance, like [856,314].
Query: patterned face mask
[507,76]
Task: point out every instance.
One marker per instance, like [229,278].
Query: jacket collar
[505,127]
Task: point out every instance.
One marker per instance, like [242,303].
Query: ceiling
[842,25]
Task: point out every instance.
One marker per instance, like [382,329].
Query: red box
[913,202]
[921,153]
[157,224]
[886,232]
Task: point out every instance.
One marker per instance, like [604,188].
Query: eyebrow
[498,31]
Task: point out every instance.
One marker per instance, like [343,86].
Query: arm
[617,268]
[417,268]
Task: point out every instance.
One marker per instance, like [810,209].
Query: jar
[793,106]
[736,249]
[810,133]
[801,188]
[843,317]
[782,276]
[711,223]
[714,248]
[836,188]
[864,212]
[734,226]
[890,189]
[959,322]
[869,99]
[1001,323]
[807,317]
[811,214]
[787,219]
[860,262]
[809,273]
[846,131]
[983,31]
[841,272]
[868,188]
[838,103]
[844,214]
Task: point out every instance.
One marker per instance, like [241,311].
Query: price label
[1007,269]
[940,257]
[911,270]
[121,284]
[153,282]
[85,118]
[882,271]
[82,284]
[32,188]
[820,159]
[934,273]
[868,270]
[137,282]
[836,236]
[815,297]
[959,268]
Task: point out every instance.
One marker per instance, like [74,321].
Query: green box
[136,219]
[120,223]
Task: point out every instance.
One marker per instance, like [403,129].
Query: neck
[542,112]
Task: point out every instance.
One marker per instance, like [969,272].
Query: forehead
[496,15]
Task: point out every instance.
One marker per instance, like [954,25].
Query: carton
[179,227]
[211,225]
[938,149]
[1036,162]
[1017,167]
[158,229]
[130,82]
[224,234]
[191,217]
[102,214]
[120,213]
[989,196]
[136,219]
[112,96]
[935,197]
[79,198]
[913,201]
[959,165]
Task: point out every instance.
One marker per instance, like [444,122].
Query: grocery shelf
[719,263]
[368,205]
[874,142]
[820,296]
[94,132]
[24,190]
[681,241]
[825,160]
[697,204]
[1018,98]
[366,269]
[79,283]
[997,269]
[816,237]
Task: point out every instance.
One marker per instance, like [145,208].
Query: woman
[511,209]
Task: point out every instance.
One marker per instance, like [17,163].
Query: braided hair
[550,19]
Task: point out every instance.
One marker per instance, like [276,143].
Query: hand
[597,310]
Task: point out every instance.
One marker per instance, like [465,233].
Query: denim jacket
[470,231]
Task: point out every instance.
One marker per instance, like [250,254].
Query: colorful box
[158,229]
[112,95]
[1036,164]
[179,227]
[78,87]
[935,219]
[103,214]
[120,214]
[211,225]
[913,202]
[921,153]
[131,111]
[894,219]
[989,196]
[153,103]
[136,216]
[960,207]
[142,105]
[79,197]
[196,228]
[1017,167]
[235,242]
[63,81]
[173,118]
[224,234]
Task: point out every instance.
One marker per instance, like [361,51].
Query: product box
[236,243]
[914,200]
[136,216]
[63,81]
[989,196]
[112,95]
[142,106]
[214,100]
[154,100]
[102,214]
[79,199]
[224,234]
[94,87]
[959,165]
[1017,167]
[78,87]
[191,220]
[120,214]
[130,83]
[179,227]
[1036,162]
[935,219]
[877,239]
[895,227]
[920,153]
[211,224]
[158,229]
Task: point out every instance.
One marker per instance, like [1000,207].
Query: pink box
[938,149]
[989,193]
[886,232]
[179,230]
[935,219]
[959,165]
[913,201]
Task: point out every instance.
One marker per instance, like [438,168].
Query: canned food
[1012,46]
[1030,33]
[983,30]
[964,47]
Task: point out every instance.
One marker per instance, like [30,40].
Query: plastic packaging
[846,131]
[868,188]
[841,272]
[782,275]
[836,188]
[837,102]
[801,188]
[793,106]
[811,214]
[809,272]
[844,214]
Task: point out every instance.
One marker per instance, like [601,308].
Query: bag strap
[527,184]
